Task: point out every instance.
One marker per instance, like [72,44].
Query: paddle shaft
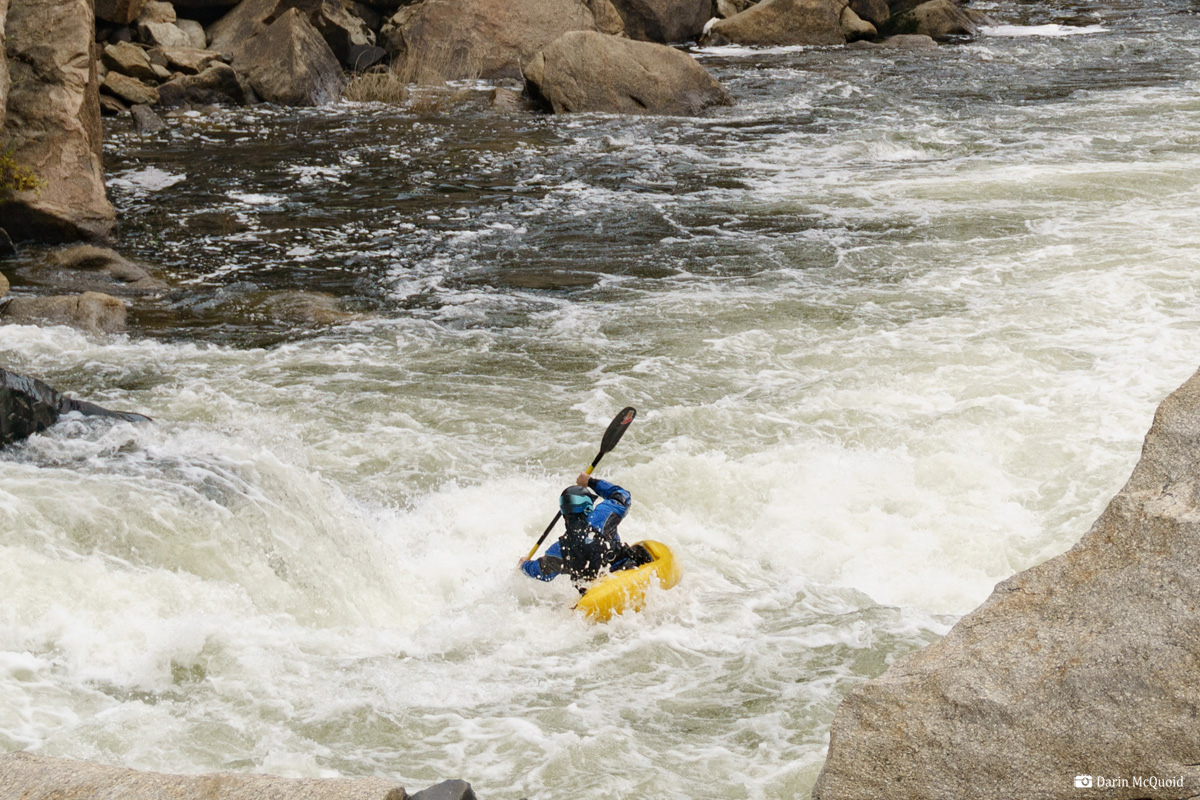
[616,429]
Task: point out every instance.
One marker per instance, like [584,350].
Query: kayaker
[590,543]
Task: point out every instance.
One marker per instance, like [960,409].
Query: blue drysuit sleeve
[615,499]
[546,568]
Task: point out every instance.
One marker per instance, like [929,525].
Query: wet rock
[87,267]
[290,64]
[91,311]
[664,21]
[131,90]
[146,121]
[912,41]
[53,123]
[219,84]
[774,23]
[6,246]
[32,777]
[129,59]
[303,308]
[122,12]
[1084,664]
[587,71]
[938,19]
[452,39]
[447,790]
[28,406]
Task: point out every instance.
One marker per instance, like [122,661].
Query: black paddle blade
[616,428]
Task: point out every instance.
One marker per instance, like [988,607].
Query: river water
[895,324]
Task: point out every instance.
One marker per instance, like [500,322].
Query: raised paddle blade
[616,429]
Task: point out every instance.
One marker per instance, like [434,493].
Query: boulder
[164,34]
[86,267]
[32,777]
[129,59]
[346,34]
[131,90]
[290,64]
[219,84]
[447,790]
[774,23]
[939,19]
[52,126]
[1082,665]
[91,311]
[910,41]
[452,39]
[245,21]
[588,71]
[664,21]
[198,40]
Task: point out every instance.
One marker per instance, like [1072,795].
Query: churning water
[895,325]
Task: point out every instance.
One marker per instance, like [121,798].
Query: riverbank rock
[664,21]
[52,125]
[587,71]
[31,777]
[218,84]
[454,39]
[781,23]
[93,312]
[28,406]
[1083,665]
[289,63]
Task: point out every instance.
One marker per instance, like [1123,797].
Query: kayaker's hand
[521,562]
[583,479]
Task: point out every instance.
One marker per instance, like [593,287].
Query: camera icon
[1083,781]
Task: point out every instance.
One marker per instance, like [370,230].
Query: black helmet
[575,500]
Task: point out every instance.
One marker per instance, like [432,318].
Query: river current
[895,325]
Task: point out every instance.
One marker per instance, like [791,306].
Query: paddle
[616,429]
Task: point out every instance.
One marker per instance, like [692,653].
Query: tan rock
[122,12]
[452,39]
[53,122]
[3,285]
[875,12]
[131,90]
[187,60]
[939,19]
[164,34]
[194,31]
[92,311]
[664,21]
[156,11]
[774,23]
[854,27]
[128,59]
[290,64]
[589,71]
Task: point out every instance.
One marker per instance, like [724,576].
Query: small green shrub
[16,177]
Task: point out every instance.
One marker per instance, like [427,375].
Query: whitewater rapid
[895,326]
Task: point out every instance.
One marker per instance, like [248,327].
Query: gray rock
[53,123]
[146,121]
[776,23]
[91,311]
[195,33]
[290,64]
[1082,665]
[910,41]
[31,777]
[587,71]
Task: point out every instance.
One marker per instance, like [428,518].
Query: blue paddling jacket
[591,542]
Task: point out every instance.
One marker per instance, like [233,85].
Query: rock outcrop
[587,71]
[453,39]
[28,406]
[52,124]
[1084,665]
[780,23]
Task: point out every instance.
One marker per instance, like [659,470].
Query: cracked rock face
[1084,665]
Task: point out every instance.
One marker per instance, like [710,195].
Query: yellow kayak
[626,590]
